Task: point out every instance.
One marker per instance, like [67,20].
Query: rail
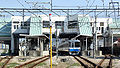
[89,63]
[110,62]
[100,63]
[109,65]
[33,61]
[6,62]
[85,66]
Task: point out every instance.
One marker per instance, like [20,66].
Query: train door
[71,44]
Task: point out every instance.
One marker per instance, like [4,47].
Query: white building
[101,24]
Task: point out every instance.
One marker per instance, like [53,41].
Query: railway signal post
[50,40]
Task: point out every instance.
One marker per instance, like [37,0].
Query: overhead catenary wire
[85,14]
[30,12]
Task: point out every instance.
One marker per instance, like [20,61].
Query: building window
[15,21]
[72,24]
[101,23]
[24,25]
[46,24]
[59,23]
[102,31]
[14,26]
[99,28]
[17,26]
[93,29]
[91,23]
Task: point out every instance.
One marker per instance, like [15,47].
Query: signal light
[50,14]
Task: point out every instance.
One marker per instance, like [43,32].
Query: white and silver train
[72,46]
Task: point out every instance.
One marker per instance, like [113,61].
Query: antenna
[35,4]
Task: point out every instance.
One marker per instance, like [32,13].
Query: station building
[29,35]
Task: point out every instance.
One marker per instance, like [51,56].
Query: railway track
[106,62]
[8,58]
[110,62]
[85,62]
[38,61]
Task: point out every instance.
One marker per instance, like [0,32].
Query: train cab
[74,47]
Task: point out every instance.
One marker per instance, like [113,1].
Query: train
[71,46]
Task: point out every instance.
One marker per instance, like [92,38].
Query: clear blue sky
[15,4]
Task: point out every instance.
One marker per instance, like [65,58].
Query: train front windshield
[77,44]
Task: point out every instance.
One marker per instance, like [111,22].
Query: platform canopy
[34,36]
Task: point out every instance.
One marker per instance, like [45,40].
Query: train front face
[74,48]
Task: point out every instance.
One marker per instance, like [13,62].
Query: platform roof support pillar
[12,44]
[38,43]
[41,47]
[86,44]
[25,51]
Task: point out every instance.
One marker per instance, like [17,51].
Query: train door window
[77,44]
[72,44]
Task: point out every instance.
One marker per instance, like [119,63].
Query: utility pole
[112,42]
[96,47]
[51,5]
[96,31]
[23,20]
[57,40]
[86,43]
[95,37]
[94,40]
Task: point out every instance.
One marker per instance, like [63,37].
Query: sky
[19,3]
[16,4]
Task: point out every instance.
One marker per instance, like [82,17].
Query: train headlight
[70,53]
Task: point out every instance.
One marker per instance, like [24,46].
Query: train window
[69,44]
[77,44]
